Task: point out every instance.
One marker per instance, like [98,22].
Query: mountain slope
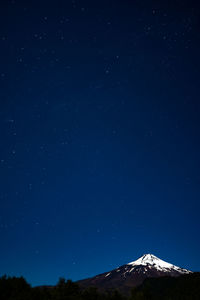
[133,274]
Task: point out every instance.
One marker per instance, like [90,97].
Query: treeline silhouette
[166,288]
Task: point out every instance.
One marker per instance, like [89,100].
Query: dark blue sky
[99,126]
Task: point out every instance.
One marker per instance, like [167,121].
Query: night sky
[100,143]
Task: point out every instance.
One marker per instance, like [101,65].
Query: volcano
[133,274]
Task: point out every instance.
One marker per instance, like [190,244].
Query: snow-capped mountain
[151,261]
[132,274]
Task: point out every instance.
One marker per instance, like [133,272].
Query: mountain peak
[134,273]
[147,259]
[151,260]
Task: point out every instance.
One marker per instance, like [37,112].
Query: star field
[99,126]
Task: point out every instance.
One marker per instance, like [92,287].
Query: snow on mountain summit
[151,260]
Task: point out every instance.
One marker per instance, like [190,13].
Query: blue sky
[99,124]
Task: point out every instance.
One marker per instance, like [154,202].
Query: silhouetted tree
[116,296]
[91,294]
[14,288]
[66,290]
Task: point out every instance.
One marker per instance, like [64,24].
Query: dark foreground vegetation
[165,288]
